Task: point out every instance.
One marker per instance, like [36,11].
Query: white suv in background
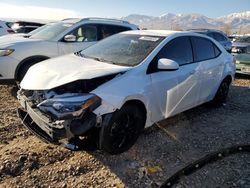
[17,54]
[5,29]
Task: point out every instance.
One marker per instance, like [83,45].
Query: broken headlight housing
[70,105]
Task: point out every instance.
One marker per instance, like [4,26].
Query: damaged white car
[121,85]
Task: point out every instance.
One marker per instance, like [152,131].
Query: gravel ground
[161,150]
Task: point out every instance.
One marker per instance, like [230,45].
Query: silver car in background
[216,35]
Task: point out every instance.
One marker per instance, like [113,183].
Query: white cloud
[35,12]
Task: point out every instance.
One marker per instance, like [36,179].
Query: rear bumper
[240,69]
[240,72]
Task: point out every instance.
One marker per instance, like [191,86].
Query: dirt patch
[161,150]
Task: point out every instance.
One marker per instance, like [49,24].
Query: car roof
[206,30]
[162,33]
[97,19]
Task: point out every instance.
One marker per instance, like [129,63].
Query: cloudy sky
[59,9]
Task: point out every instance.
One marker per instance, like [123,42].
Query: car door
[86,35]
[211,66]
[175,91]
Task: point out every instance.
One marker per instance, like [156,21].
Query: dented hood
[65,69]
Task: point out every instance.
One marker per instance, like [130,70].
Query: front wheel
[221,94]
[123,129]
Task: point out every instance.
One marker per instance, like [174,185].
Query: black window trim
[214,45]
[153,69]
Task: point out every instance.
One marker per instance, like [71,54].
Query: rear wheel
[123,129]
[222,93]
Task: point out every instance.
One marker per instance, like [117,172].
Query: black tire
[222,93]
[24,68]
[122,131]
[22,72]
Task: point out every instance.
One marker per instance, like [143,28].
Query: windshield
[123,49]
[242,39]
[38,29]
[51,31]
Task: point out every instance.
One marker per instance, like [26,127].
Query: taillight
[10,31]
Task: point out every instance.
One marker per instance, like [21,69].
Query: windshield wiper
[89,57]
[101,60]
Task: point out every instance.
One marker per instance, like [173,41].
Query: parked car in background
[217,35]
[26,29]
[26,35]
[17,54]
[22,24]
[241,52]
[5,28]
[117,87]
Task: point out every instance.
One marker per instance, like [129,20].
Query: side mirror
[167,64]
[70,38]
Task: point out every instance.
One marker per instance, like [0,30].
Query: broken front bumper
[52,131]
[38,123]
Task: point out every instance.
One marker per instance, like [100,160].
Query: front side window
[85,33]
[123,49]
[108,30]
[204,49]
[51,31]
[179,50]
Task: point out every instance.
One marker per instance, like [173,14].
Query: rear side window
[108,30]
[179,50]
[204,49]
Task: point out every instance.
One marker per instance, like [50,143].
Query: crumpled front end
[58,117]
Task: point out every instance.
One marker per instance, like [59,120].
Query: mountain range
[232,23]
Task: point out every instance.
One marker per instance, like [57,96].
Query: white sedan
[119,86]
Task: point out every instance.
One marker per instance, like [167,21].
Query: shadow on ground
[175,142]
